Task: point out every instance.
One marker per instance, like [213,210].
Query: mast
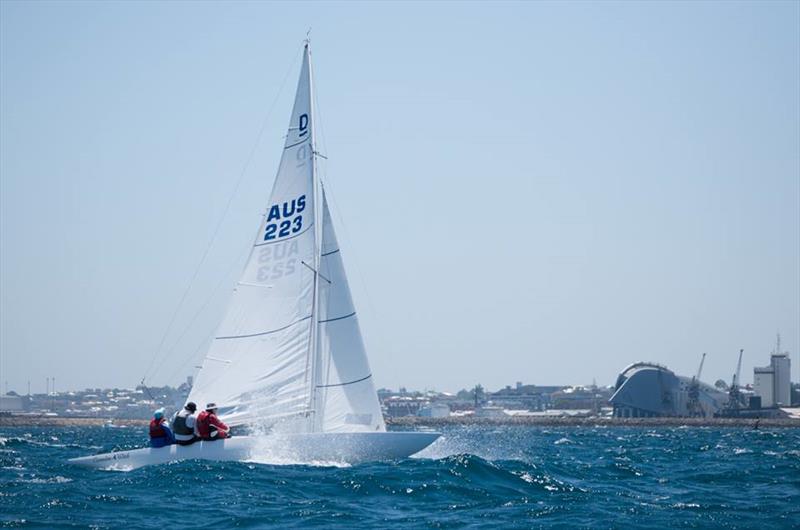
[314,406]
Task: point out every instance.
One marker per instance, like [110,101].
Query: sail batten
[265,332]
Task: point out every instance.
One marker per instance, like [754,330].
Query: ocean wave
[516,477]
[58,479]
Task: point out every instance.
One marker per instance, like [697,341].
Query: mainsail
[289,351]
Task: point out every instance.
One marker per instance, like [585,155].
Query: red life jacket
[156,430]
[204,422]
[203,425]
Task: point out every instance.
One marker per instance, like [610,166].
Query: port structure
[693,406]
[734,394]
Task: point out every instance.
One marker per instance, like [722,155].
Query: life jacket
[207,423]
[156,430]
[203,426]
[179,426]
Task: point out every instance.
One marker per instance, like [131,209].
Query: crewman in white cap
[209,426]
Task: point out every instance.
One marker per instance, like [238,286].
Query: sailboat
[288,361]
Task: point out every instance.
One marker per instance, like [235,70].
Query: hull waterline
[323,448]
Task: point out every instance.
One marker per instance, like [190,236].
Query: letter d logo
[303,124]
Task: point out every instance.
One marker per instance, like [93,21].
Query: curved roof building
[646,390]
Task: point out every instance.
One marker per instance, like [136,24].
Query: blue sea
[474,477]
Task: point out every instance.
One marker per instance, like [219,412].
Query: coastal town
[517,402]
[139,402]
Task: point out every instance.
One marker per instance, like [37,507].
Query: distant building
[490,412]
[398,406]
[525,397]
[763,385]
[11,403]
[434,410]
[771,383]
[646,390]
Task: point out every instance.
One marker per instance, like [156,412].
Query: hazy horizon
[536,192]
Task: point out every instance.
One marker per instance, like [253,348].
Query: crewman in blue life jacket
[160,433]
[183,425]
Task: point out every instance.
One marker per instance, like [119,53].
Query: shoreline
[59,421]
[409,421]
[414,421]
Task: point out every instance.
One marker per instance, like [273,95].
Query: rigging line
[194,353]
[322,167]
[324,179]
[222,217]
[148,392]
[319,114]
[202,308]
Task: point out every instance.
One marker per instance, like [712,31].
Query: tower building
[773,383]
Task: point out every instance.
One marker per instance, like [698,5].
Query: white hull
[314,448]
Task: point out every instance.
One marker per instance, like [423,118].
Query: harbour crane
[734,395]
[693,403]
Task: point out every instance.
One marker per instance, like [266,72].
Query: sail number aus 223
[284,219]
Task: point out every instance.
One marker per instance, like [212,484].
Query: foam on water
[510,477]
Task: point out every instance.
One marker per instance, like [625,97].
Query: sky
[537,192]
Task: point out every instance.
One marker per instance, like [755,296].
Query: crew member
[209,426]
[160,433]
[183,425]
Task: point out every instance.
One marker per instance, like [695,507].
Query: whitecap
[58,479]
[683,505]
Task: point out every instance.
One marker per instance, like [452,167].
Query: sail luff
[311,354]
[315,408]
[312,366]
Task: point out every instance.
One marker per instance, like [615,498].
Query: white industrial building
[11,403]
[646,390]
[772,383]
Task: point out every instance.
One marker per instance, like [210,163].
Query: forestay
[289,353]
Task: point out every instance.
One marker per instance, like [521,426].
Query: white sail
[346,392]
[258,366]
[289,349]
[289,354]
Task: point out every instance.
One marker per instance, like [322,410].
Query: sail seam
[264,332]
[285,238]
[294,145]
[337,318]
[345,384]
[329,253]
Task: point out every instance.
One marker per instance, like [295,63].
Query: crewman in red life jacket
[209,426]
[160,433]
